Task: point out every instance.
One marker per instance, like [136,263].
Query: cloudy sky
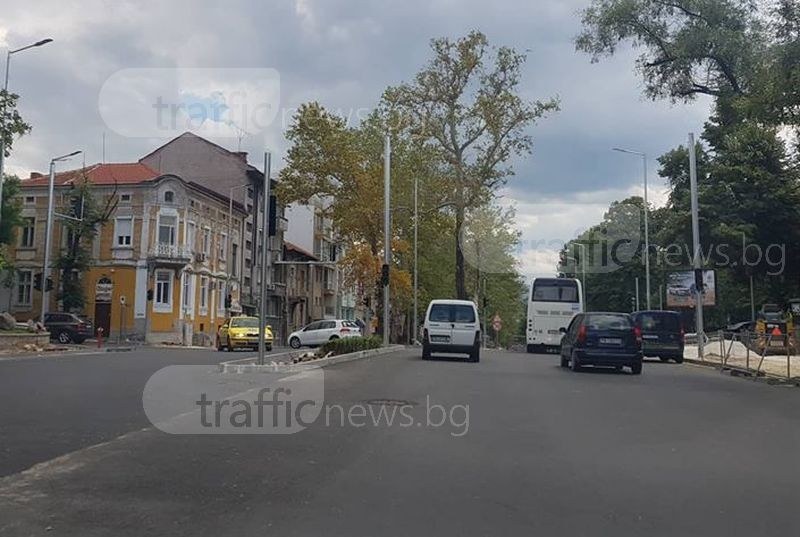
[89,83]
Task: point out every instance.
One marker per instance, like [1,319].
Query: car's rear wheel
[426,352]
[678,359]
[636,368]
[333,338]
[575,362]
[475,355]
[564,361]
[228,346]
[219,344]
[664,358]
[64,337]
[295,342]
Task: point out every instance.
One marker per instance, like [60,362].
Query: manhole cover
[390,402]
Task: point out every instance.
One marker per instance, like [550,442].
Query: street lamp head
[43,42]
[65,157]
[639,153]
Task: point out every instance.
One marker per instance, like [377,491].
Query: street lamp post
[49,230]
[646,230]
[416,272]
[5,95]
[387,239]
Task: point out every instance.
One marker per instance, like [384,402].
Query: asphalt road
[680,450]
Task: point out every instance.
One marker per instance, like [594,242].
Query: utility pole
[387,239]
[637,293]
[698,270]
[416,259]
[262,306]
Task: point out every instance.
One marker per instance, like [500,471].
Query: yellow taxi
[242,332]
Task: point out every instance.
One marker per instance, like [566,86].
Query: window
[248,245]
[124,198]
[27,231]
[123,231]
[30,200]
[203,294]
[24,287]
[166,229]
[234,258]
[169,196]
[221,297]
[188,295]
[207,241]
[163,291]
[555,290]
[223,246]
[191,236]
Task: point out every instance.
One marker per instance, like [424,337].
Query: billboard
[681,289]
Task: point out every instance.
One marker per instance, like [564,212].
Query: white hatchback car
[320,332]
[452,326]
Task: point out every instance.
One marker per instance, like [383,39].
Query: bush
[350,344]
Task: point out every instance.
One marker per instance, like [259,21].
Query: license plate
[440,339]
[776,343]
[649,337]
[610,341]
[553,332]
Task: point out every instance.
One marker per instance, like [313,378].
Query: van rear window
[659,322]
[607,322]
[452,313]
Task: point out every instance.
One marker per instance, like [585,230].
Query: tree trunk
[461,290]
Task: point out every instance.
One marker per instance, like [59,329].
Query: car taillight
[637,333]
[344,331]
[582,333]
[683,333]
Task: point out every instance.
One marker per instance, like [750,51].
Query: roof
[100,174]
[452,302]
[294,248]
[190,136]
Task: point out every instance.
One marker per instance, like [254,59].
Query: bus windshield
[555,290]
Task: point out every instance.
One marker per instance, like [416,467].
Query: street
[678,450]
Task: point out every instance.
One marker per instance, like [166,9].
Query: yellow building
[163,264]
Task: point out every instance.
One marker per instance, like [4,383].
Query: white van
[452,326]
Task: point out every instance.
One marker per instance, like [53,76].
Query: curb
[239,368]
[760,376]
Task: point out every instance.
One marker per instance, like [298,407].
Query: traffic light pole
[697,263]
[48,232]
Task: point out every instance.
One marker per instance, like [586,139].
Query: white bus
[552,303]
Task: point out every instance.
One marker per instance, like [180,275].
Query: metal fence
[755,354]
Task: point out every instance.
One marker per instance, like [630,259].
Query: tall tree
[465,102]
[12,126]
[10,216]
[87,215]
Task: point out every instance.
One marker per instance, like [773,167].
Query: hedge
[350,344]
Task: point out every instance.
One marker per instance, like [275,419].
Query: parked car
[320,332]
[452,326]
[242,333]
[67,327]
[602,339]
[662,334]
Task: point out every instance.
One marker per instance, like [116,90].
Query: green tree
[87,215]
[12,126]
[466,104]
[10,216]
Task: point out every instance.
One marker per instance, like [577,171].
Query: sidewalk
[740,358]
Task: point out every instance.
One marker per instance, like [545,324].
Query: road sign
[497,323]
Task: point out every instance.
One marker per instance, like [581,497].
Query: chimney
[242,155]
[36,175]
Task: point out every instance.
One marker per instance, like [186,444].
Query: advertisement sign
[681,289]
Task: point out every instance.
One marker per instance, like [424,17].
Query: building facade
[164,266]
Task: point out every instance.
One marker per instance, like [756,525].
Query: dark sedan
[602,339]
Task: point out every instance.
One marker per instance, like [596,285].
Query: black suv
[662,334]
[605,339]
[67,327]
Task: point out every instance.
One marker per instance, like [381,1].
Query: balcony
[170,255]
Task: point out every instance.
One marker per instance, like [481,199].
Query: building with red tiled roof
[123,173]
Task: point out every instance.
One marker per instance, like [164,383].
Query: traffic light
[273,216]
[385,275]
[37,281]
[228,301]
